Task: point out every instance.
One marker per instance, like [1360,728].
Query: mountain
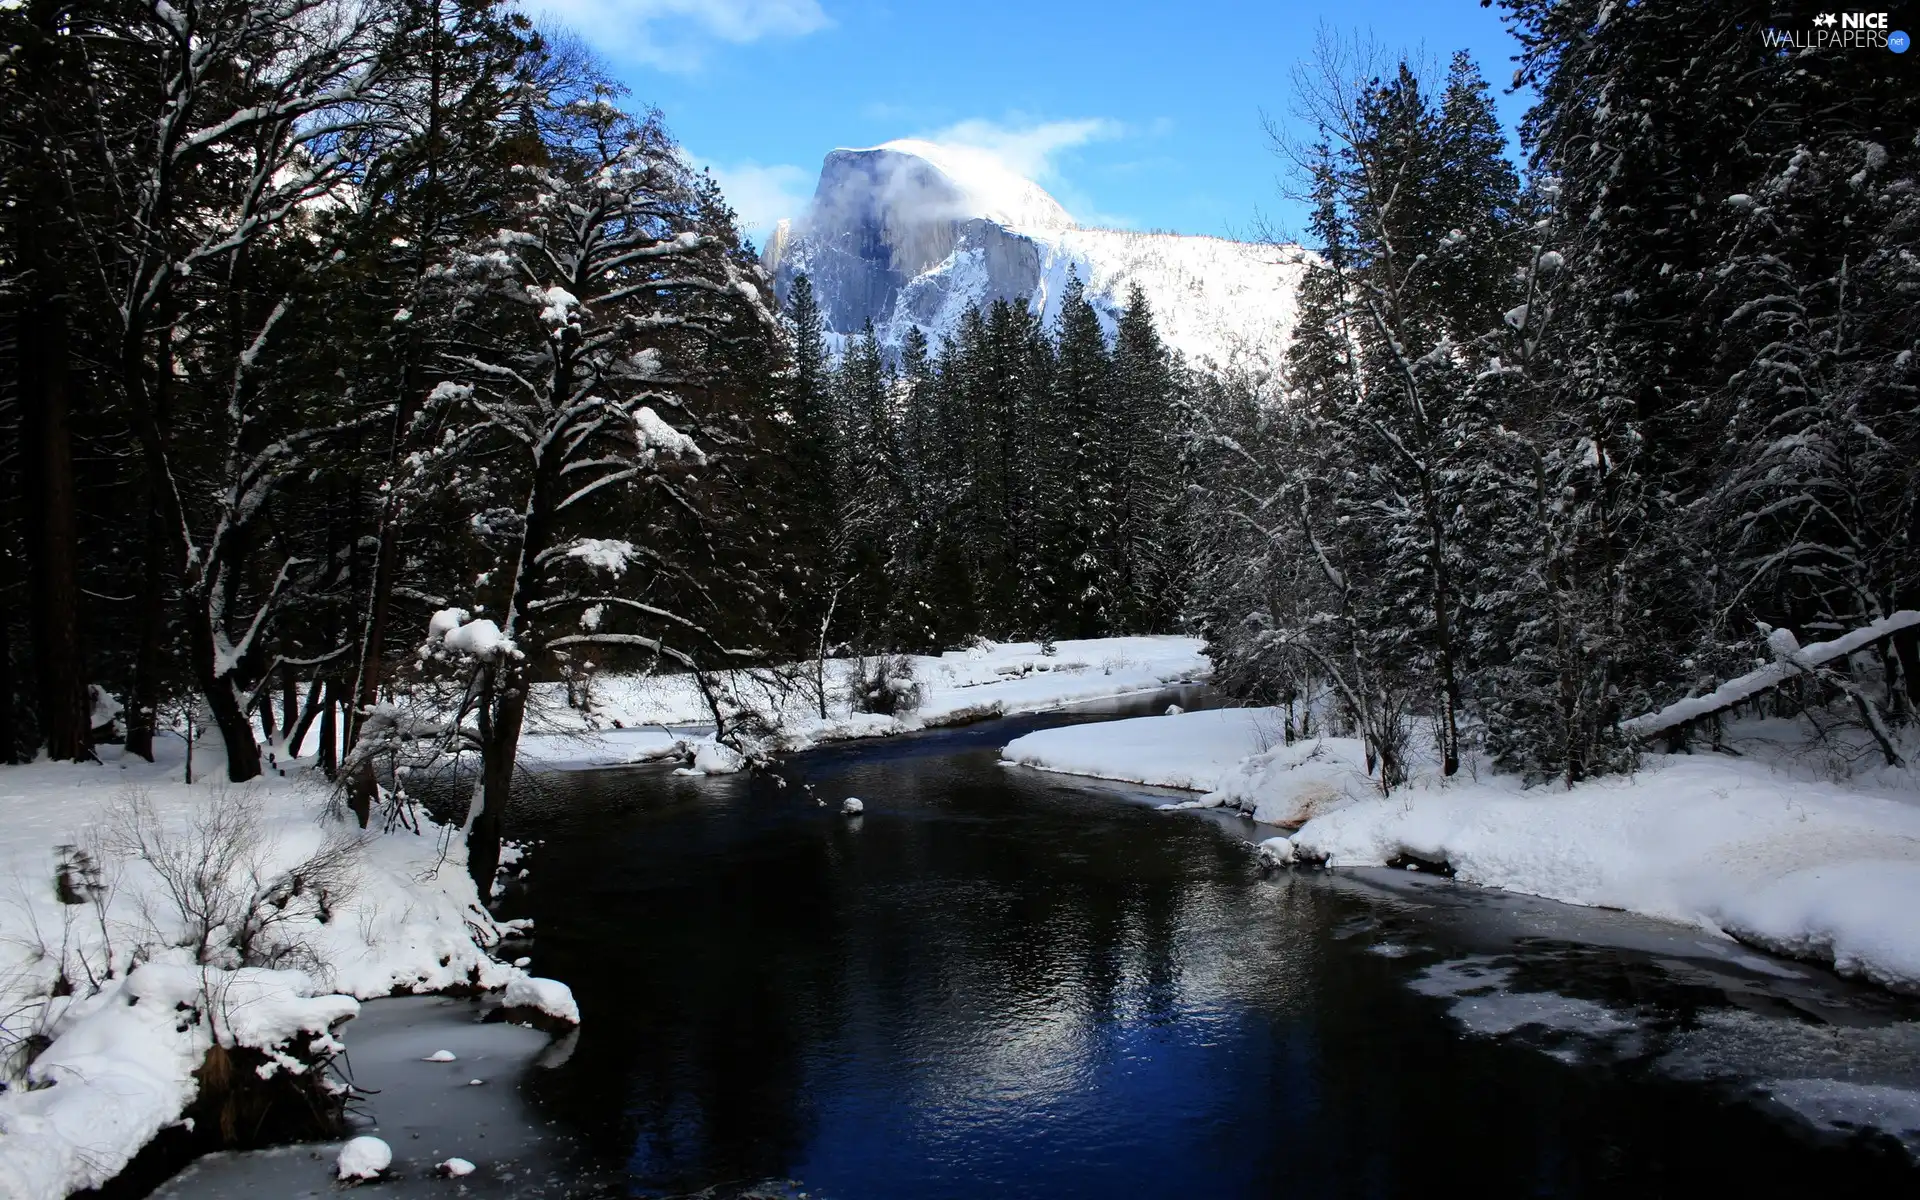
[911,233]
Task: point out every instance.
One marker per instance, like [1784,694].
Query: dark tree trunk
[9,732]
[243,753]
[379,604]
[266,717]
[305,720]
[52,539]
[329,733]
[290,710]
[143,707]
[500,745]
[1906,648]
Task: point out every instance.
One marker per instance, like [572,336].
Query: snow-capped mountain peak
[910,233]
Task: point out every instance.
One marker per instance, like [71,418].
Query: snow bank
[118,1066]
[641,718]
[1184,750]
[1227,753]
[1291,784]
[549,996]
[1817,870]
[1813,870]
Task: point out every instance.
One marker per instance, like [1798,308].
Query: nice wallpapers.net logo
[1841,31]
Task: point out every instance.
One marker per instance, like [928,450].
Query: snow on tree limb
[1788,664]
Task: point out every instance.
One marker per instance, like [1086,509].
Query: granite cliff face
[911,233]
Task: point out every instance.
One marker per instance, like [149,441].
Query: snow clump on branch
[657,435]
[450,629]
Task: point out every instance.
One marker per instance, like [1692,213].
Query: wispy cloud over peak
[677,35]
[1029,149]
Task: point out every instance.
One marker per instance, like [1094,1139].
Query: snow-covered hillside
[911,233]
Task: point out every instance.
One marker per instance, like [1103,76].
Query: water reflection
[997,982]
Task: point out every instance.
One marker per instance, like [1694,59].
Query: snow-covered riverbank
[639,718]
[1760,850]
[101,969]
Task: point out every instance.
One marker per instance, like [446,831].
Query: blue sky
[1134,114]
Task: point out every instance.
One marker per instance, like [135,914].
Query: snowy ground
[1765,848]
[638,718]
[128,1012]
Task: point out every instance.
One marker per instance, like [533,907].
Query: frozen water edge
[1811,869]
[118,1066]
[424,1110]
[1588,986]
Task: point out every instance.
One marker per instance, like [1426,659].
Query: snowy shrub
[81,953]
[886,685]
[221,893]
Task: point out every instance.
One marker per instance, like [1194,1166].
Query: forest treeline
[360,349]
[1020,480]
[1554,451]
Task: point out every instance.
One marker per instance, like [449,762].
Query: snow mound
[1288,785]
[455,1168]
[440,1056]
[717,758]
[363,1158]
[1185,750]
[550,996]
[1274,852]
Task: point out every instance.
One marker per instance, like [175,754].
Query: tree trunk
[266,718]
[9,732]
[329,735]
[290,709]
[379,605]
[499,748]
[1906,648]
[143,707]
[305,720]
[65,715]
[243,753]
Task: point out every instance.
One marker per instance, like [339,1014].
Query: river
[998,982]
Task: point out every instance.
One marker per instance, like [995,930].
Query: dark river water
[1003,983]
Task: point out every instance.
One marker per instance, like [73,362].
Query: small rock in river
[440,1056]
[852,807]
[456,1167]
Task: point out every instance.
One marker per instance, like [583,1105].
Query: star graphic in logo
[1827,19]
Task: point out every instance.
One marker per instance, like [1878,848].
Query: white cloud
[675,35]
[1037,150]
[762,195]
[1031,150]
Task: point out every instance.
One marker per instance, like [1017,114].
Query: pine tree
[1083,521]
